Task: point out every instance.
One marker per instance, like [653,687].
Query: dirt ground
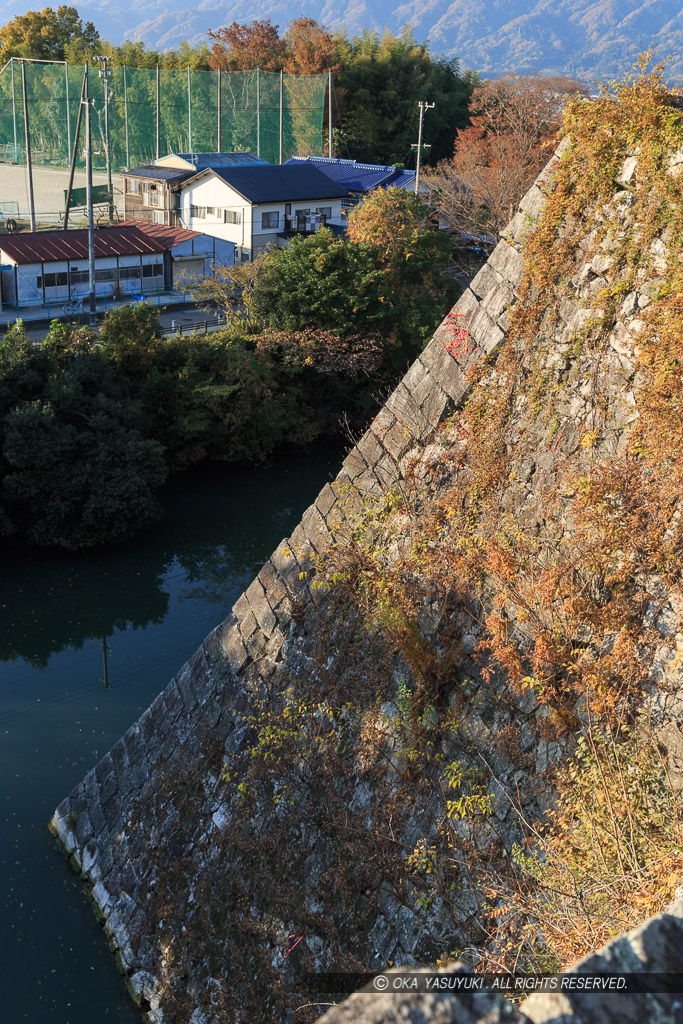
[48,190]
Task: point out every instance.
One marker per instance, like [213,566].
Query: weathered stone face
[177,856]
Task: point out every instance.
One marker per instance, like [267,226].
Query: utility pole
[29,168]
[329,112]
[104,73]
[423,105]
[189,110]
[258,112]
[282,119]
[88,194]
[158,126]
[220,115]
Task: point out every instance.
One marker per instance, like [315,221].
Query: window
[232,217]
[270,220]
[54,280]
[324,211]
[211,211]
[198,211]
[158,217]
[302,213]
[106,275]
[152,269]
[126,273]
[151,196]
[134,186]
[79,277]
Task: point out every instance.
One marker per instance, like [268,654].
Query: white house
[257,206]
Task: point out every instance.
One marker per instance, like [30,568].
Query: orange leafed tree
[514,122]
[306,48]
[245,47]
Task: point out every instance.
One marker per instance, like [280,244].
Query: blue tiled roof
[357,177]
[237,159]
[160,173]
[280,184]
[403,179]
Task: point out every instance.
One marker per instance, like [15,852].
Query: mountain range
[586,38]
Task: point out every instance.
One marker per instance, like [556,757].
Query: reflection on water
[86,642]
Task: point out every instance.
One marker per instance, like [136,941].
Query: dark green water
[150,603]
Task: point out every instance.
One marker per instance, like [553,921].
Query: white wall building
[44,267]
[254,207]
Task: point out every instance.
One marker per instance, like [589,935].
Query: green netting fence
[198,111]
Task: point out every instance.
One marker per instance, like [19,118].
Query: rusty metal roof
[168,236]
[49,246]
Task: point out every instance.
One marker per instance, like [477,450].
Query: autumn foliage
[513,128]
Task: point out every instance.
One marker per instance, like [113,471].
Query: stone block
[397,440]
[414,376]
[285,563]
[272,583]
[433,402]
[443,367]
[404,407]
[486,279]
[316,529]
[368,483]
[466,305]
[354,464]
[122,768]
[508,262]
[370,448]
[231,646]
[260,606]
[184,682]
[486,334]
[518,228]
[387,472]
[533,202]
[325,500]
[173,700]
[303,551]
[497,300]
[240,607]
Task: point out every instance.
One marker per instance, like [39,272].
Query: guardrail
[198,327]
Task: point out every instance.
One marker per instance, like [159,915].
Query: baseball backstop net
[187,111]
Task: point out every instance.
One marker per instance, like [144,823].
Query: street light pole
[423,105]
[104,73]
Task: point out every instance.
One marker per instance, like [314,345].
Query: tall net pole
[88,196]
[220,115]
[68,114]
[258,112]
[125,116]
[158,121]
[27,133]
[14,114]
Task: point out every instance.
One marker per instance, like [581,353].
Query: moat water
[86,643]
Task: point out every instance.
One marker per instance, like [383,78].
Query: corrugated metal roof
[161,173]
[354,176]
[168,236]
[48,246]
[234,159]
[280,184]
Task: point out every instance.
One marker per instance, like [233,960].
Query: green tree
[46,34]
[381,82]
